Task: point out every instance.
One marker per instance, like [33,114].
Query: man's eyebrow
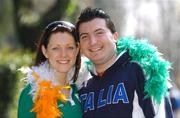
[100,29]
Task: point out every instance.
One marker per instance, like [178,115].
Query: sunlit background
[22,21]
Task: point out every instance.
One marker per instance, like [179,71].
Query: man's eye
[100,32]
[83,37]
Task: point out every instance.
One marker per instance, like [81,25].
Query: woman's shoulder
[25,93]
[74,88]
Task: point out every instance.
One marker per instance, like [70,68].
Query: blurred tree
[30,18]
[9,76]
[7,34]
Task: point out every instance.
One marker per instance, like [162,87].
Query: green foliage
[71,7]
[15,59]
[72,11]
[10,62]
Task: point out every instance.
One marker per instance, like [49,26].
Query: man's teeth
[96,49]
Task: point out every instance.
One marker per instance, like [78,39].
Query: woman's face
[61,51]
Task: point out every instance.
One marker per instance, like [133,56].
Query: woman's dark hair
[54,27]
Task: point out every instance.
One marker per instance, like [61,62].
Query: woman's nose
[64,53]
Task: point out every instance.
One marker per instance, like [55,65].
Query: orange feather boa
[45,103]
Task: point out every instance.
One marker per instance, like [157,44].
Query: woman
[51,92]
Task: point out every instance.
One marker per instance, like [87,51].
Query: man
[117,82]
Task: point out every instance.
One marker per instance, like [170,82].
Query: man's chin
[97,61]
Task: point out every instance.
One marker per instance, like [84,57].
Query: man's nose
[93,40]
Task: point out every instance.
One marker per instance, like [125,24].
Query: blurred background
[22,21]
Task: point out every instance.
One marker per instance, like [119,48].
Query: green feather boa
[155,68]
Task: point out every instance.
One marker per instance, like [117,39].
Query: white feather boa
[47,73]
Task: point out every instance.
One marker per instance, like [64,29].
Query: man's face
[97,42]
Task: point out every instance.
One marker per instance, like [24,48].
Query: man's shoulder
[88,85]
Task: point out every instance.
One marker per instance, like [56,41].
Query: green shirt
[68,110]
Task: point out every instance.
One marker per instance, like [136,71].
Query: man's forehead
[93,25]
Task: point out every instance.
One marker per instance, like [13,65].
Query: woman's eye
[71,47]
[55,48]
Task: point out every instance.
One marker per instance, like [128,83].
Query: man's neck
[100,68]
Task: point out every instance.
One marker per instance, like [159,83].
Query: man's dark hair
[89,14]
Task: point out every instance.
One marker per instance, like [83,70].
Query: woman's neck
[61,78]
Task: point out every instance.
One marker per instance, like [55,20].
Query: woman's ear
[78,49]
[44,51]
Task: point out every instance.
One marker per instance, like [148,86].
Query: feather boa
[155,68]
[45,91]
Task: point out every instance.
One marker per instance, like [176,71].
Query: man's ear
[116,36]
[44,51]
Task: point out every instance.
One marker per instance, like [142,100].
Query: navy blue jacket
[112,95]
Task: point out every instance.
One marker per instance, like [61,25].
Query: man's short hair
[89,14]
